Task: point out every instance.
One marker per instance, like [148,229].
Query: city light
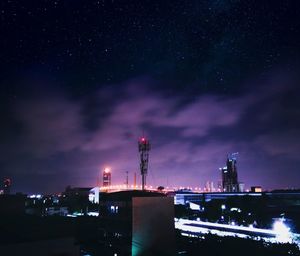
[279,234]
[282,231]
[107,170]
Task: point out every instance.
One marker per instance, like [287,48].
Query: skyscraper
[229,174]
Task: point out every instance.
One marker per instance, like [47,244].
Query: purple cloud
[189,143]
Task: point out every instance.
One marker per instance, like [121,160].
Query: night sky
[82,80]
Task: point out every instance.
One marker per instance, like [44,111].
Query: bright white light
[194,206]
[106,170]
[94,214]
[91,197]
[71,215]
[282,231]
[223,206]
[38,196]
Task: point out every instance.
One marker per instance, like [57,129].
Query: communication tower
[7,185]
[144,148]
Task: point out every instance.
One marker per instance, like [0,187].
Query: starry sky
[82,80]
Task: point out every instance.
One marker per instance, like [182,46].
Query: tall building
[6,185]
[137,222]
[106,177]
[229,174]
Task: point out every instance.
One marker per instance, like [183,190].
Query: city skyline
[81,83]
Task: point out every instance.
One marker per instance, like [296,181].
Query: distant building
[77,192]
[220,186]
[209,187]
[229,175]
[77,199]
[56,211]
[94,195]
[256,189]
[106,177]
[6,186]
[186,197]
[241,187]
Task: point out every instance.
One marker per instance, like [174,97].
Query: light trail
[196,228]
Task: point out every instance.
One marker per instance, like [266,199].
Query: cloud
[281,143]
[190,139]
[50,125]
[195,119]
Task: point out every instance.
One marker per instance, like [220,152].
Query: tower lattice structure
[144,148]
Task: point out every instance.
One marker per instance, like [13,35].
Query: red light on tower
[143,140]
[7,185]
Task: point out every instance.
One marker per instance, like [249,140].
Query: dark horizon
[80,82]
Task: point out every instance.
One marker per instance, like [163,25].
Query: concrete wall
[153,230]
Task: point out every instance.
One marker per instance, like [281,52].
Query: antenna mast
[144,148]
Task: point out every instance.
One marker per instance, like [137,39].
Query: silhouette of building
[229,175]
[138,222]
[11,205]
[6,185]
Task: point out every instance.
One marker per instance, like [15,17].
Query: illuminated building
[229,175]
[183,198]
[241,187]
[144,148]
[256,189]
[209,187]
[106,177]
[94,195]
[7,185]
[220,186]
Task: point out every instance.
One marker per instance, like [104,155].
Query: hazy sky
[81,80]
